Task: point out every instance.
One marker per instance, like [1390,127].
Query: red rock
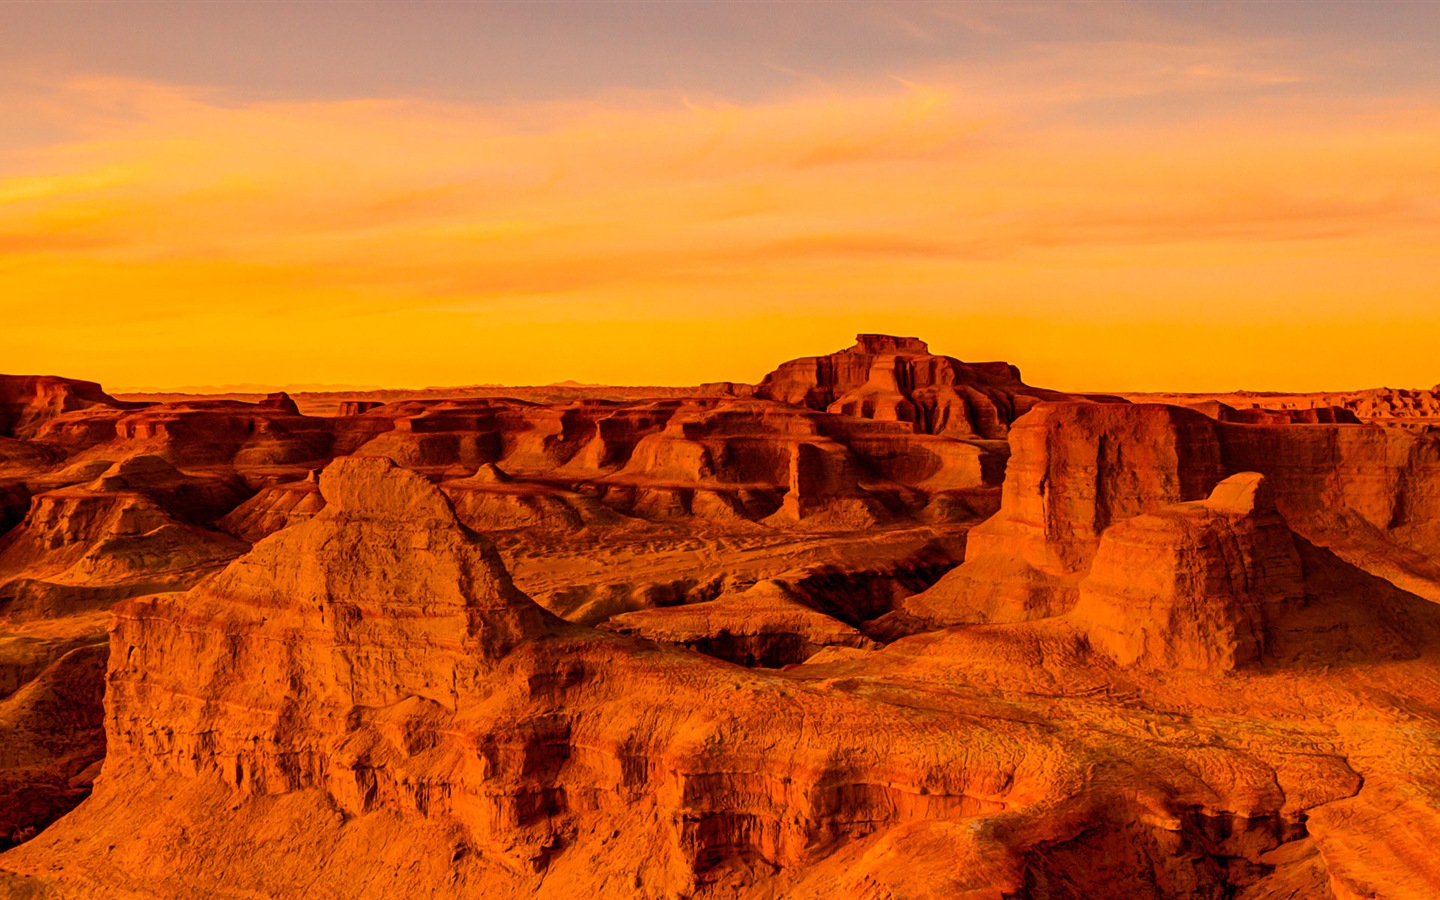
[898,379]
[82,548]
[281,401]
[1196,585]
[441,710]
[1237,704]
[357,407]
[28,401]
[1075,468]
[766,625]
[273,508]
[53,739]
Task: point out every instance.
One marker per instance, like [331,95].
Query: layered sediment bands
[273,508]
[899,380]
[356,407]
[1187,657]
[768,625]
[1074,469]
[850,577]
[1319,415]
[1412,408]
[52,741]
[248,439]
[1196,585]
[82,547]
[430,685]
[199,498]
[491,500]
[1370,494]
[722,456]
[28,401]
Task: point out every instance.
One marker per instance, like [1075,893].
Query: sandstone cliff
[1188,655]
[365,697]
[899,379]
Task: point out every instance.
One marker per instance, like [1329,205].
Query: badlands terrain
[885,625]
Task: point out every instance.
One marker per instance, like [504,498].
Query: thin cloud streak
[929,197]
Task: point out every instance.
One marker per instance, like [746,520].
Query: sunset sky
[1187,196]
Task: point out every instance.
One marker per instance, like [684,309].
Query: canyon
[884,624]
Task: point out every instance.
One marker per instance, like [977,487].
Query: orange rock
[1075,468]
[28,401]
[273,508]
[1146,680]
[1196,585]
[898,379]
[766,625]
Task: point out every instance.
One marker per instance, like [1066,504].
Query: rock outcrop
[1188,655]
[53,741]
[275,507]
[28,401]
[767,625]
[898,379]
[281,401]
[1407,408]
[1195,585]
[371,679]
[84,547]
[1075,469]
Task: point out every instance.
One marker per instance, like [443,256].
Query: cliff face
[382,598]
[364,704]
[1074,470]
[1186,656]
[1365,493]
[379,654]
[28,401]
[899,380]
[1195,585]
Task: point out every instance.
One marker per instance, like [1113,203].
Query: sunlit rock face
[898,379]
[1194,585]
[740,644]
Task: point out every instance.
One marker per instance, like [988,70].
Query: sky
[1112,196]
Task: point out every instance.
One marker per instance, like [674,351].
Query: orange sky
[1178,209]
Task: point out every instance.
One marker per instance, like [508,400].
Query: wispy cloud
[247,223]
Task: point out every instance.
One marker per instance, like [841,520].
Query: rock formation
[1416,409]
[375,662]
[766,625]
[1075,468]
[53,740]
[84,547]
[1195,585]
[273,508]
[28,401]
[898,379]
[716,644]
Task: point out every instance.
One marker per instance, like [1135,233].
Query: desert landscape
[719,450]
[885,624]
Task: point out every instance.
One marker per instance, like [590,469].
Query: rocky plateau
[884,625]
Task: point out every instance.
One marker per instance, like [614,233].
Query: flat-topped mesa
[889,343]
[899,379]
[281,401]
[27,401]
[1194,585]
[356,407]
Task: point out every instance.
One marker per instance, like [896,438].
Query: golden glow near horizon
[158,234]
